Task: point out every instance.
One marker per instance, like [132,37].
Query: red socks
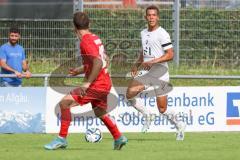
[65,122]
[111,125]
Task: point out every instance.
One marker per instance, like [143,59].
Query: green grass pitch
[150,146]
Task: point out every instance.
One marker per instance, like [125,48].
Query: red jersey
[92,47]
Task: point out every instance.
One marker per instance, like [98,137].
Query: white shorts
[157,77]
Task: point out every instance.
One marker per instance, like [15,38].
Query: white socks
[171,116]
[139,107]
[169,113]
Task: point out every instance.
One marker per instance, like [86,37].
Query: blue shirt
[14,56]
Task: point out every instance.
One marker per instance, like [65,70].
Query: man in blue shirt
[13,61]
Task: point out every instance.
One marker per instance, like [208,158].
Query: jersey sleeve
[91,49]
[23,54]
[2,53]
[165,40]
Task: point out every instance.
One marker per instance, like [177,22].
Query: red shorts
[97,96]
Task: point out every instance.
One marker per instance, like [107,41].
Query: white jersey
[154,44]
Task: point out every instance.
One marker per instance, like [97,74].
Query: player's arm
[137,64]
[168,56]
[76,71]
[26,71]
[139,60]
[95,56]
[5,66]
[96,68]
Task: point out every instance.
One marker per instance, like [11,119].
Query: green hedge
[205,34]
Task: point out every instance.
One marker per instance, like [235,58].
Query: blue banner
[22,109]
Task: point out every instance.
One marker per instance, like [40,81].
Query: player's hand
[18,74]
[147,65]
[27,74]
[73,71]
[134,71]
[84,87]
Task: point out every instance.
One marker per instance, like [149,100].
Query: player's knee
[99,112]
[63,104]
[131,92]
[66,102]
[128,95]
[162,109]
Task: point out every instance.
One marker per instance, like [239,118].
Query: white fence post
[176,32]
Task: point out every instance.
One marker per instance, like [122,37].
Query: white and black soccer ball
[93,135]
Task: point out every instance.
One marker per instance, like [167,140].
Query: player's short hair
[81,20]
[14,30]
[152,7]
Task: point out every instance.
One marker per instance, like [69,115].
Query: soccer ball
[93,135]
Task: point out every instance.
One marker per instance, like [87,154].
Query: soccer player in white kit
[156,51]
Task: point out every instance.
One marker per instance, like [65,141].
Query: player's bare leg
[60,142]
[134,88]
[119,139]
[171,116]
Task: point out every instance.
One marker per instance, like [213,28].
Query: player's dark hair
[81,20]
[152,7]
[14,30]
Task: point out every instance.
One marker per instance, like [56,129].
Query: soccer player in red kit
[95,88]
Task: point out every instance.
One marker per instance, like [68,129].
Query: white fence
[48,76]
